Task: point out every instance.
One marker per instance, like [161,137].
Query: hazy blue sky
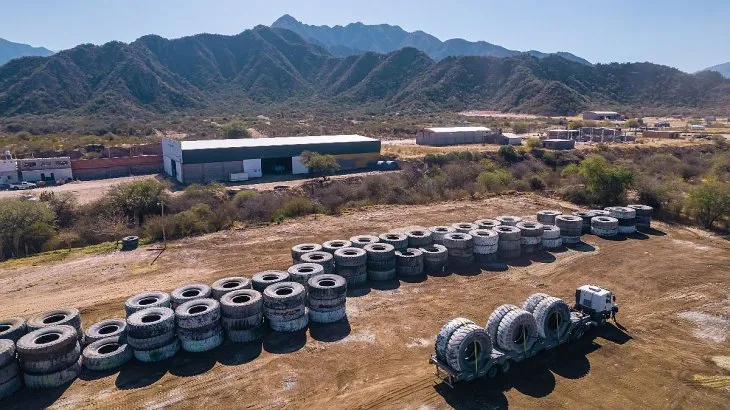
[689,35]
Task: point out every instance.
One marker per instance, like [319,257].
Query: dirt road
[672,286]
[84,191]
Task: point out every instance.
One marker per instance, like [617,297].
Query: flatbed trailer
[501,361]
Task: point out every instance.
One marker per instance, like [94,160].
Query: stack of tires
[643,216]
[301,272]
[11,380]
[604,226]
[551,237]
[107,354]
[325,259]
[435,259]
[512,329]
[600,212]
[418,238]
[190,292]
[487,223]
[146,300]
[626,218]
[199,325]
[61,316]
[333,245]
[49,357]
[105,329]
[586,217]
[460,247]
[398,240]
[509,220]
[380,263]
[509,245]
[12,328]
[351,264]
[486,242]
[463,345]
[552,315]
[262,280]
[242,315]
[360,241]
[571,228]
[530,236]
[464,227]
[284,306]
[298,251]
[225,285]
[438,233]
[151,334]
[327,298]
[547,217]
[409,263]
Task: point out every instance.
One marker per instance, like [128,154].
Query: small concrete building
[563,134]
[509,138]
[660,134]
[440,136]
[242,159]
[8,171]
[45,169]
[558,144]
[602,116]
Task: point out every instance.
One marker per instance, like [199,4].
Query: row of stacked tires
[465,346]
[50,349]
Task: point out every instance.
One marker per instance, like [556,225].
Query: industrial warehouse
[241,159]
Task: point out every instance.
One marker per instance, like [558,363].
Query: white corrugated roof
[457,129]
[604,112]
[510,135]
[271,142]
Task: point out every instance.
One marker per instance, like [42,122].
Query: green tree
[24,226]
[236,129]
[533,143]
[710,202]
[606,184]
[320,164]
[575,124]
[137,199]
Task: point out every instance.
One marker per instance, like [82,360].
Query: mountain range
[10,50]
[270,68]
[723,69]
[357,38]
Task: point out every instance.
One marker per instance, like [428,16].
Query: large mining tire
[319,257]
[553,318]
[8,372]
[152,342]
[245,335]
[547,217]
[411,257]
[327,287]
[487,223]
[495,318]
[359,241]
[12,328]
[398,240]
[62,316]
[469,348]
[150,322]
[332,246]
[327,316]
[529,229]
[508,233]
[189,292]
[262,280]
[52,364]
[197,313]
[107,354]
[350,257]
[484,237]
[379,252]
[291,325]
[419,237]
[285,295]
[438,232]
[517,331]
[47,343]
[146,300]
[226,285]
[380,266]
[199,333]
[435,253]
[11,386]
[327,304]
[442,338]
[458,240]
[241,303]
[380,276]
[52,380]
[533,300]
[301,272]
[7,351]
[105,329]
[509,220]
[298,251]
[241,323]
[550,232]
[203,345]
[158,354]
[464,227]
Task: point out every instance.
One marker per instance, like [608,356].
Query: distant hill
[10,50]
[356,38]
[723,69]
[267,68]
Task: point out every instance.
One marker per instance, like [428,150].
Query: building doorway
[276,166]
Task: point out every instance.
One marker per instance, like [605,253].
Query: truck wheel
[553,318]
[517,332]
[442,339]
[534,300]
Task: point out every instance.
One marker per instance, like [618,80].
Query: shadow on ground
[330,332]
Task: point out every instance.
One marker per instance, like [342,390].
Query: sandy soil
[672,286]
[85,191]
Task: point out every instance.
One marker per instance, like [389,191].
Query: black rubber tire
[57,379]
[325,304]
[189,292]
[458,240]
[151,343]
[350,257]
[53,364]
[350,272]
[360,241]
[150,322]
[327,286]
[381,275]
[529,229]
[553,318]
[146,300]
[285,295]
[242,303]
[508,233]
[56,317]
[202,333]
[335,244]
[47,343]
[435,253]
[197,313]
[262,280]
[515,322]
[158,354]
[293,325]
[462,346]
[464,227]
[380,265]
[509,220]
[379,252]
[487,223]
[7,352]
[398,240]
[246,335]
[533,300]
[301,272]
[283,315]
[419,237]
[242,323]
[8,372]
[438,232]
[226,285]
[107,354]
[203,345]
[298,251]
[547,217]
[442,338]
[409,258]
[10,387]
[327,316]
[484,237]
[495,318]
[105,329]
[12,328]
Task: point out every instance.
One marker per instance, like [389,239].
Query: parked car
[22,185]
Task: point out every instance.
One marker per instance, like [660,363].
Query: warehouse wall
[210,172]
[99,168]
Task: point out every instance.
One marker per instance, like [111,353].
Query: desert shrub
[297,206]
[521,127]
[242,196]
[63,240]
[576,194]
[261,207]
[709,202]
[606,184]
[508,154]
[24,226]
[213,194]
[494,181]
[533,143]
[536,183]
[136,200]
[320,164]
[63,206]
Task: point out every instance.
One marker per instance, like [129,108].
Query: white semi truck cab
[595,301]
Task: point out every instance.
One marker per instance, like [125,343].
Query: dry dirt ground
[670,351]
[84,191]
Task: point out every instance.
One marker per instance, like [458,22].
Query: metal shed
[440,136]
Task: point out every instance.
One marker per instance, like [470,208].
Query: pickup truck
[22,186]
